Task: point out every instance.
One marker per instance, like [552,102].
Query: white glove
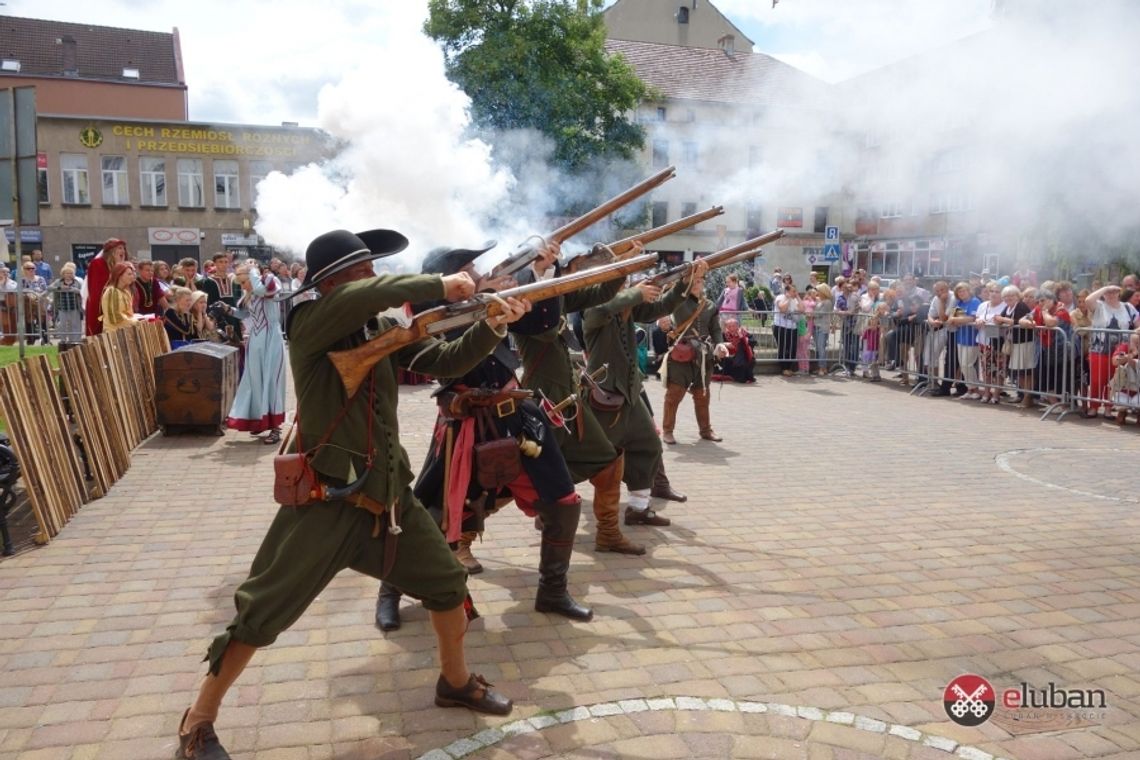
[721,350]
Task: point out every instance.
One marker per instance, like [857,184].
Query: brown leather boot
[464,555]
[673,395]
[607,499]
[663,489]
[701,405]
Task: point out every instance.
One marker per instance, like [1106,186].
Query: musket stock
[354,364]
[525,253]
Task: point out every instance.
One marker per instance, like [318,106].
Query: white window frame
[191,183]
[150,193]
[227,185]
[76,178]
[116,179]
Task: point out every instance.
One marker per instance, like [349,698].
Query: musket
[354,364]
[623,246]
[527,251]
[732,255]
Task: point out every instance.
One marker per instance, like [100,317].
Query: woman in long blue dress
[260,402]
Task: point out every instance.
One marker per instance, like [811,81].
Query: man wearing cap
[485,405]
[369,520]
[98,273]
[611,343]
[544,342]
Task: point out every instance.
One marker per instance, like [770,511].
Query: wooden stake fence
[74,433]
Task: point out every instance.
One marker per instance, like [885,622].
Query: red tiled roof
[690,73]
[101,52]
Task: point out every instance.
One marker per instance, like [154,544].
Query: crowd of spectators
[985,339]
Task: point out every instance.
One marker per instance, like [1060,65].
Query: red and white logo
[969,700]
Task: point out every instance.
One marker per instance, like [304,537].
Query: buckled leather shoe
[645,517]
[201,743]
[491,702]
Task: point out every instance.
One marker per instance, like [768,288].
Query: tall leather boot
[701,405]
[607,498]
[388,607]
[559,524]
[673,395]
[464,555]
[662,489]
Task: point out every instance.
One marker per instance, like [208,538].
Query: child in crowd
[1124,388]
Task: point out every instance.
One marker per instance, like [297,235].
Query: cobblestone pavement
[844,554]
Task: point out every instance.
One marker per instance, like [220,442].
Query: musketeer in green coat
[371,522]
[544,339]
[611,343]
[697,341]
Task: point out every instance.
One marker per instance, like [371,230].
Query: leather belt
[458,406]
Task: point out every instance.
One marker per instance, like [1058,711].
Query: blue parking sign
[831,234]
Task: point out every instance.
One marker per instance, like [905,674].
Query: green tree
[542,65]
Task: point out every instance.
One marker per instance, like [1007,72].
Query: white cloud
[254,62]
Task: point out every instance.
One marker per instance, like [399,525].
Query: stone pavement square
[845,553]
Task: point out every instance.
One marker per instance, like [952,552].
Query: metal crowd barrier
[1104,377]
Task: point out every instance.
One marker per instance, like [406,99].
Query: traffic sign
[831,252]
[831,234]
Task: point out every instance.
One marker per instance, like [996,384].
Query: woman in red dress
[98,272]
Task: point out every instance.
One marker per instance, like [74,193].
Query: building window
[258,170]
[754,221]
[660,213]
[820,225]
[892,210]
[944,203]
[42,185]
[191,186]
[688,209]
[152,180]
[682,15]
[115,189]
[689,153]
[226,193]
[661,113]
[73,169]
[660,154]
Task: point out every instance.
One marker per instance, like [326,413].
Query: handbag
[682,352]
[295,482]
[497,460]
[603,400]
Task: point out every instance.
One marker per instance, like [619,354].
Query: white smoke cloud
[405,159]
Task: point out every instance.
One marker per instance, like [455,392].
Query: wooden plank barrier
[74,452]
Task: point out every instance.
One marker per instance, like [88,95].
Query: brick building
[117,156]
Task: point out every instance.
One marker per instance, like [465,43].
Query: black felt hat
[447,261]
[338,250]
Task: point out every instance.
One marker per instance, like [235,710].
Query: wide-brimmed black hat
[445,261]
[338,250]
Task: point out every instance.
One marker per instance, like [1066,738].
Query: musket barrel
[572,228]
[621,246]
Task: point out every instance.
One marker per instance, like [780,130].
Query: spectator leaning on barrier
[43,269]
[35,309]
[784,324]
[991,360]
[804,325]
[1021,351]
[872,327]
[67,304]
[965,345]
[1109,315]
[936,334]
[1054,328]
[819,325]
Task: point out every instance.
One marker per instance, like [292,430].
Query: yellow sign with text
[207,141]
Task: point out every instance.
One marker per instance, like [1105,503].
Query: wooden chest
[195,386]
